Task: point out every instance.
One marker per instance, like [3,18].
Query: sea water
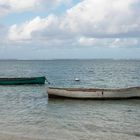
[26,112]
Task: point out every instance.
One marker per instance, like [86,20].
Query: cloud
[25,31]
[86,23]
[110,42]
[12,6]
[103,18]
[39,29]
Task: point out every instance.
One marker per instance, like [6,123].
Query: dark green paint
[22,81]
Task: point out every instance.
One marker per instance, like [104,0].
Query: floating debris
[77,79]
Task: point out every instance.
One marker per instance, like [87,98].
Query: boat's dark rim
[95,98]
[22,78]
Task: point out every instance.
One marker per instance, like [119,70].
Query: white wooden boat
[94,93]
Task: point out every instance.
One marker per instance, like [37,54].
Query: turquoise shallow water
[26,110]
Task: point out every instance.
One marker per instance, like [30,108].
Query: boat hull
[80,93]
[22,81]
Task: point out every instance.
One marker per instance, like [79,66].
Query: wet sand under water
[4,136]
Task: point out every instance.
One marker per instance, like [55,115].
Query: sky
[69,29]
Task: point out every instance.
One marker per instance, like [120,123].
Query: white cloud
[48,28]
[86,26]
[103,18]
[109,42]
[10,6]
[88,21]
[84,41]
[26,30]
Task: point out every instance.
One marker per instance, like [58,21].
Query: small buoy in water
[76,79]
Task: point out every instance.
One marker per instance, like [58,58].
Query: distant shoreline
[78,59]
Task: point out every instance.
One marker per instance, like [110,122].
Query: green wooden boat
[22,80]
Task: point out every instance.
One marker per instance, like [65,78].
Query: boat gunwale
[21,78]
[95,89]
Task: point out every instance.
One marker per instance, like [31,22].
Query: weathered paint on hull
[77,93]
[21,81]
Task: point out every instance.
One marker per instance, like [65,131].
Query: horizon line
[12,59]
